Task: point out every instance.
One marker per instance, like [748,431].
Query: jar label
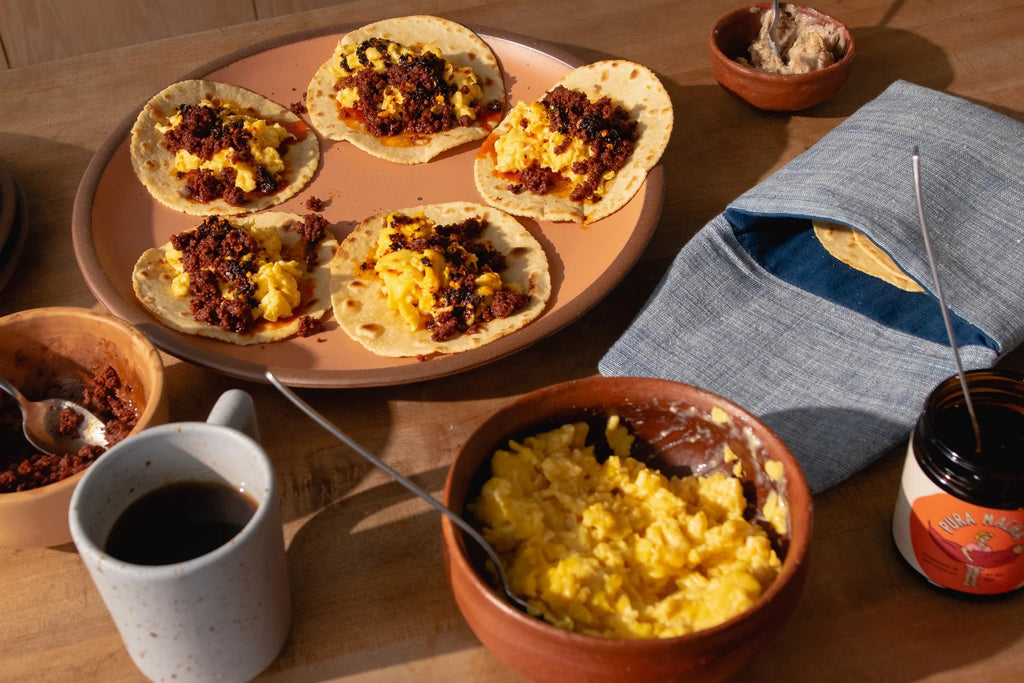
[968,548]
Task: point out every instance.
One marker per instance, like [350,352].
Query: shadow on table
[368,586]
[47,255]
[882,57]
[867,614]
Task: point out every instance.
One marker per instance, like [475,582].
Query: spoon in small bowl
[514,599]
[41,423]
[773,39]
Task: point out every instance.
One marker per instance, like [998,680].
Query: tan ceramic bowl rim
[750,73]
[796,554]
[13,497]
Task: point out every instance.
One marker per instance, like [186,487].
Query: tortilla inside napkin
[837,363]
[787,248]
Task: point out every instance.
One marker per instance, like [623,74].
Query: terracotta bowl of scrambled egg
[53,353]
[686,552]
[817,55]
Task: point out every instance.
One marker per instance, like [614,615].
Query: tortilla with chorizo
[245,280]
[209,148]
[582,151]
[407,89]
[438,278]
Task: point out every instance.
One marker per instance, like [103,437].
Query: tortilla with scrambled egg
[241,152]
[385,117]
[388,306]
[286,287]
[525,138]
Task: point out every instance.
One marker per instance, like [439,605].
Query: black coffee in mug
[179,522]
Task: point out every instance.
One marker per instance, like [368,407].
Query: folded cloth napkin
[836,362]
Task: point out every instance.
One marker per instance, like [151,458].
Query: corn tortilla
[361,308]
[153,275]
[631,86]
[856,250]
[459,46]
[154,164]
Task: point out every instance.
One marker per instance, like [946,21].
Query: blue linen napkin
[838,363]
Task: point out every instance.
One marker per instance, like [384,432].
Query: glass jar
[959,518]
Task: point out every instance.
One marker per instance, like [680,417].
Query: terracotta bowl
[675,434]
[55,349]
[733,34]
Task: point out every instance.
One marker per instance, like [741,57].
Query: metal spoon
[515,600]
[773,40]
[41,420]
[916,157]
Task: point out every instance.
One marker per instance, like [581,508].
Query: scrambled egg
[277,279]
[278,289]
[465,84]
[719,416]
[413,280]
[531,139]
[179,283]
[617,549]
[264,144]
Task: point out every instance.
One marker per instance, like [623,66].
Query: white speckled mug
[223,615]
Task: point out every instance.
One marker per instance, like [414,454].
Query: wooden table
[370,598]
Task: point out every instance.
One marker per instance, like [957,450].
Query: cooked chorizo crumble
[606,128]
[425,95]
[458,307]
[105,395]
[203,133]
[221,262]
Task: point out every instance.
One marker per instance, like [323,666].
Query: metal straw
[463,524]
[942,300]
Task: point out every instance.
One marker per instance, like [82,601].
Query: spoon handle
[9,388]
[440,507]
[916,159]
[773,40]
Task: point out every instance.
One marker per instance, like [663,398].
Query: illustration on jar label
[968,548]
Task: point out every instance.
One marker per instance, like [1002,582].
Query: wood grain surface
[371,602]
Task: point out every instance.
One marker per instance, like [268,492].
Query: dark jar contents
[178,522]
[959,518]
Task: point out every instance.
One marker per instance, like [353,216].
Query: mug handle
[235,409]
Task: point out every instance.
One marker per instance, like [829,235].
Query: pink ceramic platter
[115,220]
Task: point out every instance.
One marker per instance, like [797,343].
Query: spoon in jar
[916,161]
[514,599]
[41,424]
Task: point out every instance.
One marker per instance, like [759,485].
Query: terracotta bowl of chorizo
[654,531]
[79,354]
[814,58]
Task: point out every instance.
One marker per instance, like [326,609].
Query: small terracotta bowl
[676,435]
[734,33]
[56,349]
